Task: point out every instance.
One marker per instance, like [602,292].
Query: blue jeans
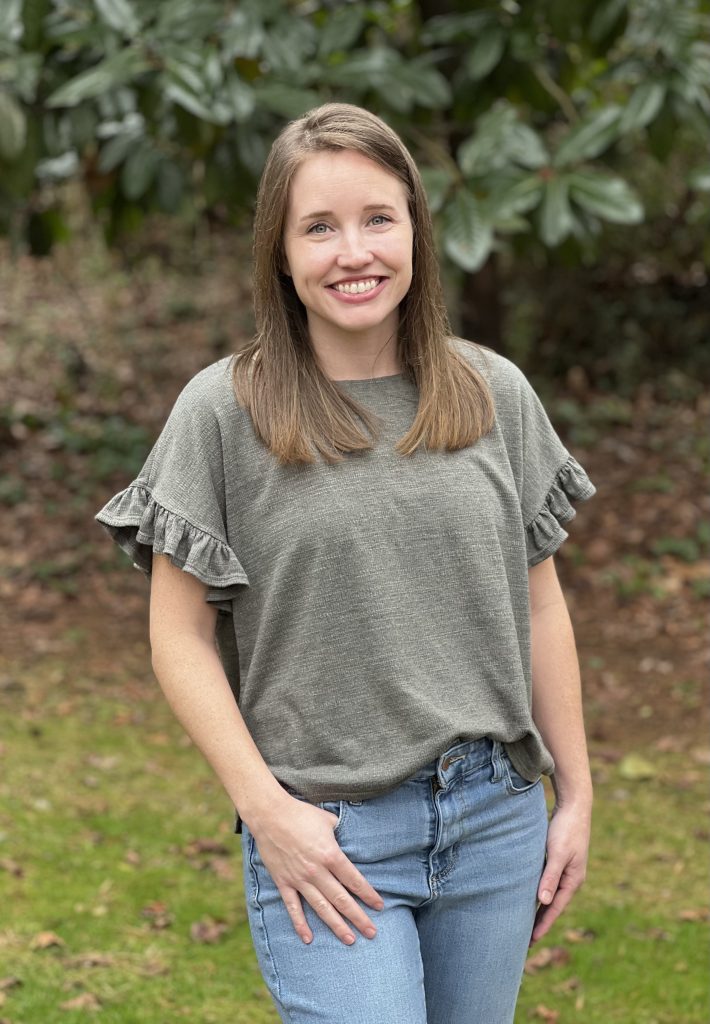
[456,852]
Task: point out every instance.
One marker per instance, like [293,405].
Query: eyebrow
[329,213]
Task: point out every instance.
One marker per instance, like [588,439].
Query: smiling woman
[361,508]
[351,264]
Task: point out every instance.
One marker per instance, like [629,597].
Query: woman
[364,510]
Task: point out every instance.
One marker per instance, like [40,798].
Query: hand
[567,850]
[302,856]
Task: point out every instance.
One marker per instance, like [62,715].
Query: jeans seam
[262,923]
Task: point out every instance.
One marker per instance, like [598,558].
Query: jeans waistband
[461,758]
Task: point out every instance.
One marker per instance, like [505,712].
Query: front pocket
[514,782]
[335,807]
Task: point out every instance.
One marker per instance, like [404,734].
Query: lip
[363,296]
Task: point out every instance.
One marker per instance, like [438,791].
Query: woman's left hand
[566,867]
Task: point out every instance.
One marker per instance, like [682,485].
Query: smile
[357,287]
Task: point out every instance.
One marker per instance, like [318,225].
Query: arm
[557,712]
[295,838]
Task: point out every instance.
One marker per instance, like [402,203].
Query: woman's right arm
[295,839]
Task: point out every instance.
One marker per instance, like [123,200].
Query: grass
[116,839]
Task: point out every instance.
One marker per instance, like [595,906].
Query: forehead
[330,179]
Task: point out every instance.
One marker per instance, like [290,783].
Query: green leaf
[510,199]
[284,99]
[139,171]
[589,137]
[449,28]
[556,219]
[116,150]
[525,147]
[486,52]
[240,96]
[116,70]
[205,108]
[11,27]
[424,85]
[643,106]
[119,15]
[467,238]
[340,30]
[13,128]
[699,179]
[608,197]
[58,167]
[243,34]
[170,183]
[437,183]
[501,139]
[606,15]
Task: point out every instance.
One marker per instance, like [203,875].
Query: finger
[292,902]
[547,915]
[550,881]
[349,876]
[327,913]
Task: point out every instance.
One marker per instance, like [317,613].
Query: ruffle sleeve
[141,526]
[544,533]
[177,503]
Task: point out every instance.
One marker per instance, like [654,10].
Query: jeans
[456,852]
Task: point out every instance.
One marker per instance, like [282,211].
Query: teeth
[357,287]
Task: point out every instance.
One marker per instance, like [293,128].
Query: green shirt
[373,612]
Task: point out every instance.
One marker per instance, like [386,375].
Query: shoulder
[505,379]
[209,391]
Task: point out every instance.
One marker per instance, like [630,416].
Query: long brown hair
[298,411]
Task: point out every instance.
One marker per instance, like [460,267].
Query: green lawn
[116,843]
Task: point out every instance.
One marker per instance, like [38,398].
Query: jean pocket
[515,782]
[335,807]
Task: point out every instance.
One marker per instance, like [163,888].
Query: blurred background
[565,152]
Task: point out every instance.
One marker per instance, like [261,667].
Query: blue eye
[382,217]
[313,227]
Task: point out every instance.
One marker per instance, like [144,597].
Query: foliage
[522,115]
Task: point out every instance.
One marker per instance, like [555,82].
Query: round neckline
[369,380]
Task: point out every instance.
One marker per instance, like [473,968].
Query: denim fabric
[456,852]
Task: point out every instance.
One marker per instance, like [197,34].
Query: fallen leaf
[697,914]
[12,867]
[196,846]
[43,940]
[86,1001]
[91,960]
[207,930]
[636,768]
[158,913]
[580,935]
[10,982]
[551,956]
[569,985]
[545,1013]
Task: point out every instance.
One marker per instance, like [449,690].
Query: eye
[313,229]
[380,217]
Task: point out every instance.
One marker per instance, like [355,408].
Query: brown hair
[295,408]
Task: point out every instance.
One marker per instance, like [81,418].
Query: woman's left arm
[557,713]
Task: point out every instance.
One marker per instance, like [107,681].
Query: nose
[353,251]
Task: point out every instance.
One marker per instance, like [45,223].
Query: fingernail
[307,938]
[349,939]
[546,896]
[370,933]
[380,906]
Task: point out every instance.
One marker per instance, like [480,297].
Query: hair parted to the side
[298,411]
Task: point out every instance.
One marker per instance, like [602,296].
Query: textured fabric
[459,901]
[377,605]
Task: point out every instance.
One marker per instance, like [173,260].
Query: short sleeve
[176,504]
[549,477]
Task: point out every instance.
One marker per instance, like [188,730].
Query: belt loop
[497,761]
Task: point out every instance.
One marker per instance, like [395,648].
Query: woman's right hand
[298,847]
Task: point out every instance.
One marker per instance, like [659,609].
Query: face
[348,244]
